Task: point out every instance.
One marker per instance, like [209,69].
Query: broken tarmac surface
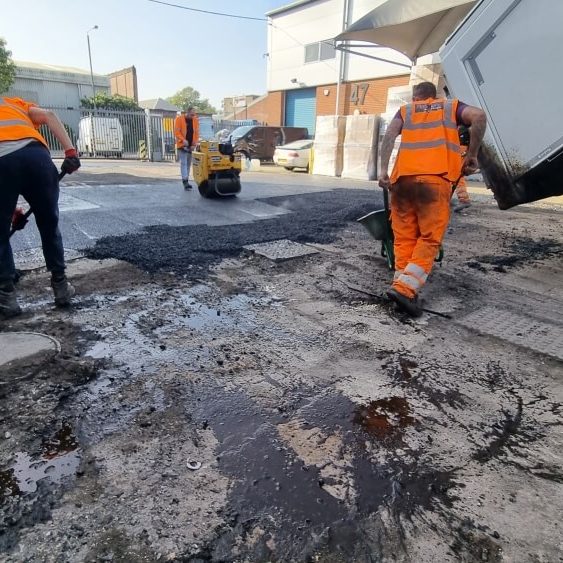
[209,404]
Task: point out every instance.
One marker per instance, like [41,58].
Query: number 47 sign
[358,94]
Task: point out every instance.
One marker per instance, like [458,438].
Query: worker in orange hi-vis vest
[429,162]
[26,169]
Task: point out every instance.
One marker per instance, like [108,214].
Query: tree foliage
[189,97]
[105,101]
[7,67]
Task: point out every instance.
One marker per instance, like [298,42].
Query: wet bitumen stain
[409,374]
[502,434]
[192,250]
[59,459]
[521,250]
[278,492]
[384,418]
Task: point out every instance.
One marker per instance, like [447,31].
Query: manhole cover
[540,336]
[22,345]
[279,250]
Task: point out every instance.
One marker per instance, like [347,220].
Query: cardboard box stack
[360,147]
[328,147]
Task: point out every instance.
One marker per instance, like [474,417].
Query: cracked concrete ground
[322,425]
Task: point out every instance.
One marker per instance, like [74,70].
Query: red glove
[71,163]
[19,220]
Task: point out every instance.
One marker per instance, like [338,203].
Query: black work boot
[404,303]
[9,303]
[187,185]
[62,289]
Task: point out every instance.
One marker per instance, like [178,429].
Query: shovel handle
[28,213]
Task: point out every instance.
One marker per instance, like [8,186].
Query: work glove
[71,163]
[19,220]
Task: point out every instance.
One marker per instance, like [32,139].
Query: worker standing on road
[428,164]
[26,169]
[186,131]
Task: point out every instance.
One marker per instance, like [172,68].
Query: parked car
[260,141]
[294,155]
[100,135]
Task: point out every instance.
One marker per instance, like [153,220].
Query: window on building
[320,51]
[312,53]
[327,50]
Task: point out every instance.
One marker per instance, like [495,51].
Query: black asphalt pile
[191,250]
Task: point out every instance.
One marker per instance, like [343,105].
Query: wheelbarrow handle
[386,199]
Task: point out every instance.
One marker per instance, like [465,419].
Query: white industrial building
[307,76]
[55,86]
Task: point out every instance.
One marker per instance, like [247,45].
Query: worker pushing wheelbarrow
[428,165]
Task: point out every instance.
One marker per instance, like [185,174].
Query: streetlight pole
[92,130]
[91,71]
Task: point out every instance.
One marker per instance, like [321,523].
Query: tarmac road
[284,412]
[116,197]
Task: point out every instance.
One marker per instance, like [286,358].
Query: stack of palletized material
[360,147]
[328,147]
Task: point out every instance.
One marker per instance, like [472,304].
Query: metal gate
[301,109]
[115,134]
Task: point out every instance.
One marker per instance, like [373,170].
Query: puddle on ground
[384,418]
[59,459]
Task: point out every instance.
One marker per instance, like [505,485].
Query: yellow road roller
[216,169]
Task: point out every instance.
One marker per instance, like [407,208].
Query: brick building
[307,76]
[124,83]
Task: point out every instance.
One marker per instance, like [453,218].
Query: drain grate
[521,330]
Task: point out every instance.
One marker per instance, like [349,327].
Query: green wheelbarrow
[378,224]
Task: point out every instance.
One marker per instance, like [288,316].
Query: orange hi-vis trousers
[420,212]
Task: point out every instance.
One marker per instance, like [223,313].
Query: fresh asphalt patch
[192,250]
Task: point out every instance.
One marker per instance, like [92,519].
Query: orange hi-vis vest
[15,123]
[429,140]
[181,129]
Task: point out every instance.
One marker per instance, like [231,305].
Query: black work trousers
[30,172]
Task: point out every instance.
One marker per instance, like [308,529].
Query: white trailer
[505,57]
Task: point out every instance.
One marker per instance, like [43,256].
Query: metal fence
[115,134]
[141,135]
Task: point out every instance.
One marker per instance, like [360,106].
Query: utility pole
[92,130]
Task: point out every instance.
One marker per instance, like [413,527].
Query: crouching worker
[26,169]
[428,164]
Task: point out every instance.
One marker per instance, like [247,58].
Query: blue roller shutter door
[301,109]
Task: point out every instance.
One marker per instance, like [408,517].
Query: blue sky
[170,47]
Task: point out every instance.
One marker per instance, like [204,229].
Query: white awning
[412,27]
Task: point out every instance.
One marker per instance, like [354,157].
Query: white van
[101,136]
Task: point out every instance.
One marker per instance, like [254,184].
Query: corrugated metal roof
[53,68]
[287,7]
[158,103]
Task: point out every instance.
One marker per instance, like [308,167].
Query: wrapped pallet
[360,147]
[328,147]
